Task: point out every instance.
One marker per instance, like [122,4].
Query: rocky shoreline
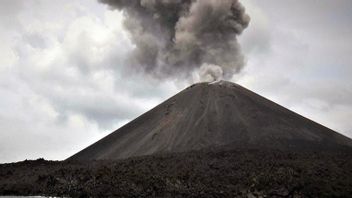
[234,173]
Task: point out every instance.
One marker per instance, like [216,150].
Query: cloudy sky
[64,82]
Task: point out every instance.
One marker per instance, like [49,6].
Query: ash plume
[210,73]
[178,37]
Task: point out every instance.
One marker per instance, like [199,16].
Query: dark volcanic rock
[231,173]
[210,140]
[220,114]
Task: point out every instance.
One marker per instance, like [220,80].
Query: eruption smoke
[177,37]
[210,73]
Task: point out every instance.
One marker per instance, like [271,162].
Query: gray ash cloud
[177,37]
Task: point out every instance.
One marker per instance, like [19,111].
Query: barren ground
[233,173]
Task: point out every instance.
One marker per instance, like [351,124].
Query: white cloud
[63,83]
[304,62]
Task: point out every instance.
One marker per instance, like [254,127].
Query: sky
[64,83]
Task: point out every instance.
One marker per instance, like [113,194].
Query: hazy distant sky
[63,84]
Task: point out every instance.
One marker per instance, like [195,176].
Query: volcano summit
[210,140]
[210,116]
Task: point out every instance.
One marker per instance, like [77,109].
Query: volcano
[211,116]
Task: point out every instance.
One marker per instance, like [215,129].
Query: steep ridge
[213,115]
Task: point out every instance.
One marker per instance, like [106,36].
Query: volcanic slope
[213,115]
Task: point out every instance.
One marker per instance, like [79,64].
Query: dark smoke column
[178,37]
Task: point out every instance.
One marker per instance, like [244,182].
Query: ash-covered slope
[221,114]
